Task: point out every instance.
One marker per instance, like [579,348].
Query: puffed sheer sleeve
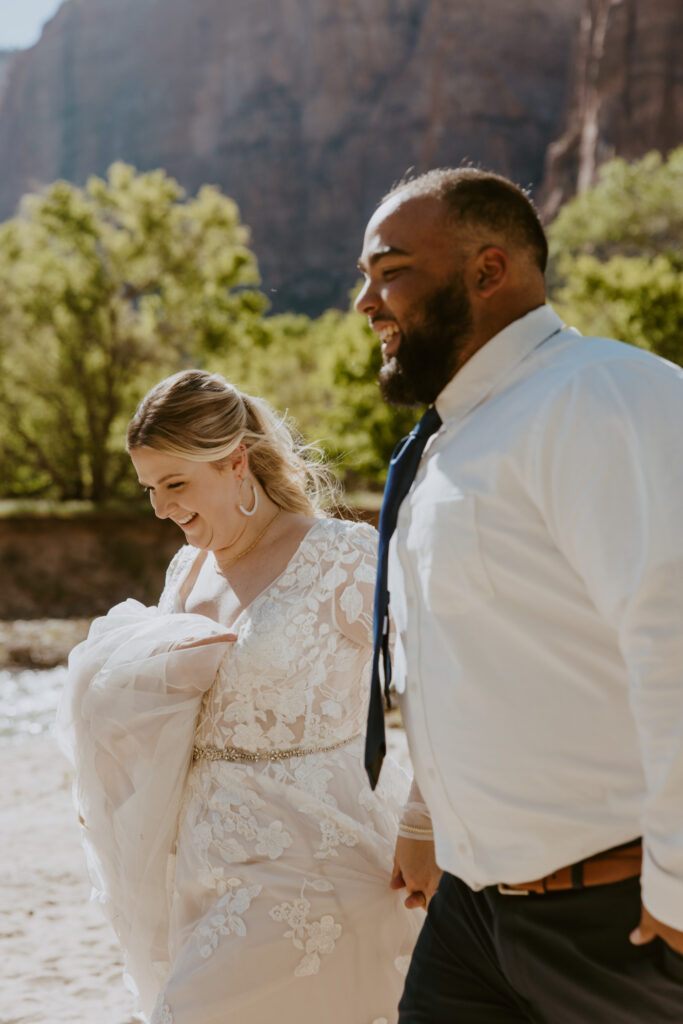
[126,722]
[356,568]
[175,574]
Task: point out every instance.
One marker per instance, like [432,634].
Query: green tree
[104,290]
[323,372]
[616,256]
[362,429]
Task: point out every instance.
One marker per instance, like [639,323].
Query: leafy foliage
[616,256]
[104,290]
[324,372]
[362,429]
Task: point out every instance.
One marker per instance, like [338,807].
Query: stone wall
[54,568]
[65,568]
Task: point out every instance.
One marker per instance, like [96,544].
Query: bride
[230,832]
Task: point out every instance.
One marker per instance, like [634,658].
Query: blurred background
[186,183]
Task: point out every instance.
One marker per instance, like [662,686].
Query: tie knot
[429,424]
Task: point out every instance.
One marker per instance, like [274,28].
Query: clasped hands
[415,869]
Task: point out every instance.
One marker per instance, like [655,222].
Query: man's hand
[415,868]
[649,927]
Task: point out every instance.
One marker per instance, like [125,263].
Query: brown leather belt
[610,866]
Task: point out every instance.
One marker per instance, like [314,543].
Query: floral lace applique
[225,917]
[162,1015]
[309,794]
[335,833]
[230,826]
[313,938]
[312,776]
[286,681]
[273,840]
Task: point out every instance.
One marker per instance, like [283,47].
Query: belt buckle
[505,890]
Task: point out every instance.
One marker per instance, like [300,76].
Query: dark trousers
[562,958]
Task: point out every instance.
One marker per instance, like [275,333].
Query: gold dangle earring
[250,511]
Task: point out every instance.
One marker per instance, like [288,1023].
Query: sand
[59,957]
[59,960]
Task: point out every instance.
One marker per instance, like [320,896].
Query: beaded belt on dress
[235,754]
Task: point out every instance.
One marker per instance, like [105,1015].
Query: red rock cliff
[6,58]
[627,91]
[304,111]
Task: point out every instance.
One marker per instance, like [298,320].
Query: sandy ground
[59,961]
[59,958]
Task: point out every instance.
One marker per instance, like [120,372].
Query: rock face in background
[54,567]
[58,567]
[305,111]
[627,91]
[6,58]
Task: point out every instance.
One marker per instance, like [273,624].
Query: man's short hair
[482,198]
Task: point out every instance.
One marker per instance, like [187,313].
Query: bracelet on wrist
[414,830]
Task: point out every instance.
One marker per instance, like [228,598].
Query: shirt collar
[495,360]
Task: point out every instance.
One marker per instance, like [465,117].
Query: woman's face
[201,499]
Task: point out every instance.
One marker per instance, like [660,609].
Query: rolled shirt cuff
[662,889]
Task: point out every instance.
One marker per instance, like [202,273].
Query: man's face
[415,298]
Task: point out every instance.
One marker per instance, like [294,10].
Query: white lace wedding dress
[276,905]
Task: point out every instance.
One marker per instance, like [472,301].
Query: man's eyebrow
[390,250]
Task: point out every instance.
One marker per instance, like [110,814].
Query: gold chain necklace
[251,547]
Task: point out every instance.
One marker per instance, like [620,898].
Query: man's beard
[429,355]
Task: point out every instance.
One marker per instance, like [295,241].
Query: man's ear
[490,270]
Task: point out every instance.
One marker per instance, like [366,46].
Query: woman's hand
[415,868]
[184,645]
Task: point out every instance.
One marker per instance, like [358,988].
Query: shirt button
[463,849]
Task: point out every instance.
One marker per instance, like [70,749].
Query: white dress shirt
[536,580]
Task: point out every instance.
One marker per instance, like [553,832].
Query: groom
[536,580]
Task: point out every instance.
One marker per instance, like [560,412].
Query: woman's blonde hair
[201,417]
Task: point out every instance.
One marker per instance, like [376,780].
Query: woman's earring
[252,510]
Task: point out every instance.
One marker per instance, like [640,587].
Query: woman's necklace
[226,565]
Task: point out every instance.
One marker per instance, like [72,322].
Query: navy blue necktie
[402,470]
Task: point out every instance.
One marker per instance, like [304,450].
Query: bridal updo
[201,417]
